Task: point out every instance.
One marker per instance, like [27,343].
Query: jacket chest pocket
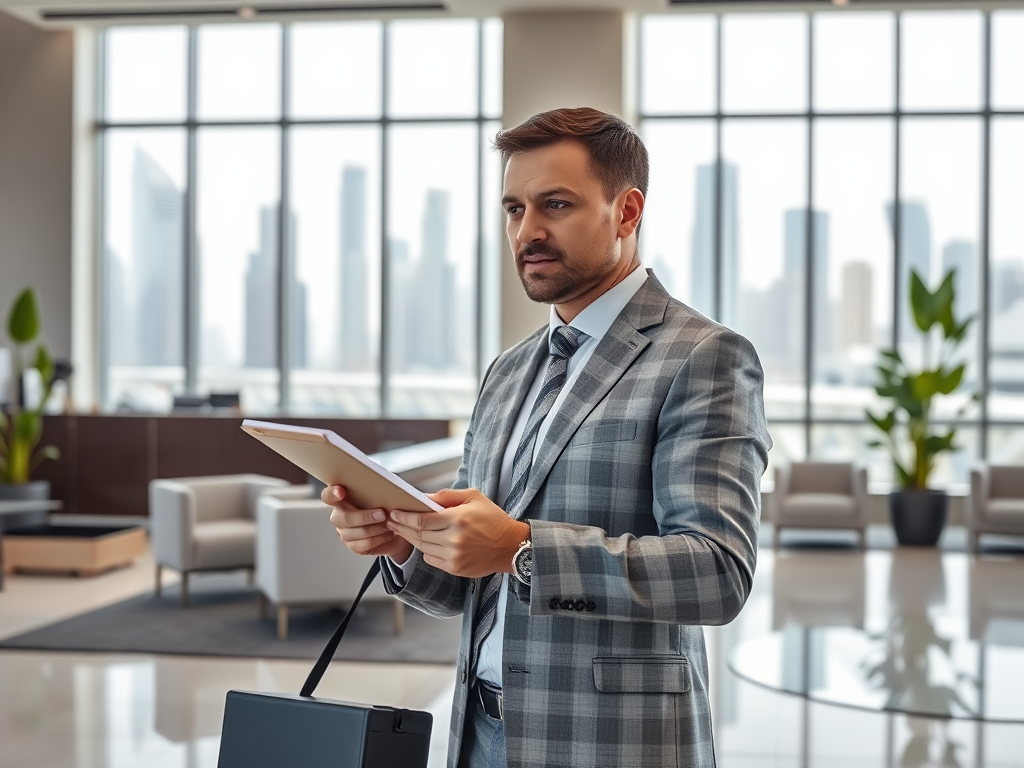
[605,432]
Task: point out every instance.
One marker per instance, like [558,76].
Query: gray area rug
[223,620]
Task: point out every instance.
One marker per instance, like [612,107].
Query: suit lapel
[507,401]
[621,345]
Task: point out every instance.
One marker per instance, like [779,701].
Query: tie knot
[566,340]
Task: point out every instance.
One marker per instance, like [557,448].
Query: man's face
[563,231]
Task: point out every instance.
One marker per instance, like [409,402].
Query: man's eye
[556,204]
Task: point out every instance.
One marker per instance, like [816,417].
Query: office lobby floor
[77,710]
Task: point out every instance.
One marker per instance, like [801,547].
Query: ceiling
[65,13]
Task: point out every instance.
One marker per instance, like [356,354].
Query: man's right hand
[364,531]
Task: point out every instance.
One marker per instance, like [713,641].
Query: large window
[785,162]
[302,214]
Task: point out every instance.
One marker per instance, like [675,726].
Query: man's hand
[364,531]
[472,537]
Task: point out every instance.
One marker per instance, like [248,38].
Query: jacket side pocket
[642,674]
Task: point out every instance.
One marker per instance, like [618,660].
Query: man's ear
[631,210]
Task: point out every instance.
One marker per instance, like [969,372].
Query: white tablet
[335,461]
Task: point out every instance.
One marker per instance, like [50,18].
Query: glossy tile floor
[67,710]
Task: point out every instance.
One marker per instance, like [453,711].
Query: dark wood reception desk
[107,461]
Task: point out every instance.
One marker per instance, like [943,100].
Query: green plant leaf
[23,322]
[884,423]
[902,475]
[951,380]
[943,303]
[44,364]
[926,385]
[936,444]
[907,400]
[28,427]
[960,331]
[49,453]
[922,303]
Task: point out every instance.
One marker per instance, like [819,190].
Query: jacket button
[566,605]
[591,606]
[580,605]
[555,604]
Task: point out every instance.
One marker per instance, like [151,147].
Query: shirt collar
[598,316]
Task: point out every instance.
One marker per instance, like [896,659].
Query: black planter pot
[37,490]
[918,517]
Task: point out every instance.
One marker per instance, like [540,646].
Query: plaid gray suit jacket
[644,504]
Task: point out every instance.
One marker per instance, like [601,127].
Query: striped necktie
[564,342]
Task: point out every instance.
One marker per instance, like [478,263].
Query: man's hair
[618,156]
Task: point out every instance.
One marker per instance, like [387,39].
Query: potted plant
[919,511]
[21,427]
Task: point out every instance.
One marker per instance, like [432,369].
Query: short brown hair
[618,155]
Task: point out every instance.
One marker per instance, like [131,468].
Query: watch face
[524,564]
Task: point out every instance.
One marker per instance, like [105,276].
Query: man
[622,454]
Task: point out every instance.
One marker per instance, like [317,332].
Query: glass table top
[918,657]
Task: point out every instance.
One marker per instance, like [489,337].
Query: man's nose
[531,229]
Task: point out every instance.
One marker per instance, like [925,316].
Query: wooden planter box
[81,550]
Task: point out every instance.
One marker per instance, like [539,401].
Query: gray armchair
[301,561]
[820,494]
[205,523]
[997,501]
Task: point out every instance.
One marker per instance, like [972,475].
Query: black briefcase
[282,730]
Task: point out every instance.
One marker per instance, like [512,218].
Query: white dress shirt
[594,321]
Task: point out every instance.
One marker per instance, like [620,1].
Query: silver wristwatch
[522,563]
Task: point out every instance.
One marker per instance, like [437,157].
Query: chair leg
[263,607]
[399,609]
[159,573]
[282,622]
[184,589]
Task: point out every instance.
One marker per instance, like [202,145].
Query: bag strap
[332,645]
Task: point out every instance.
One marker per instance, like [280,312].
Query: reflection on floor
[71,710]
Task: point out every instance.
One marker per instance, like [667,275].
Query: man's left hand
[473,536]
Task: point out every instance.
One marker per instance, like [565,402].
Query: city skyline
[426,295]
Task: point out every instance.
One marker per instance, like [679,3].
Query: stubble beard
[567,284]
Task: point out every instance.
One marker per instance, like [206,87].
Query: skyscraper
[122,324]
[401,312]
[962,255]
[261,280]
[159,264]
[915,253]
[354,335]
[1007,285]
[435,289]
[795,282]
[300,326]
[702,284]
[857,298]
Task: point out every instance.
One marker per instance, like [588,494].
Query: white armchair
[820,494]
[997,501]
[300,560]
[205,523]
